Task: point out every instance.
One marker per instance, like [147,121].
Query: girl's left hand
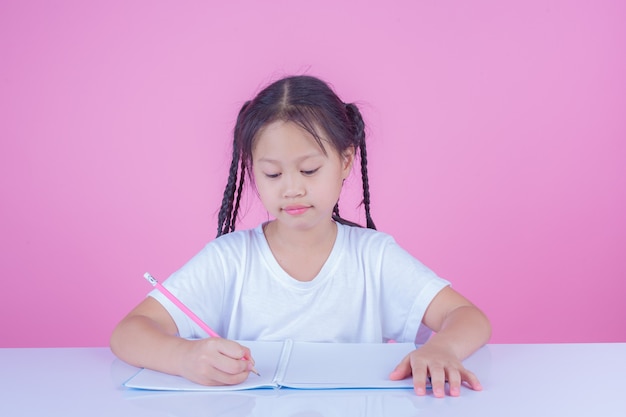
[441,365]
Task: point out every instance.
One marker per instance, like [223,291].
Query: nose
[293,186]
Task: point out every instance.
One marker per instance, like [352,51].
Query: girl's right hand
[214,361]
[147,338]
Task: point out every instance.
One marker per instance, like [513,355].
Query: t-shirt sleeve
[199,285]
[408,288]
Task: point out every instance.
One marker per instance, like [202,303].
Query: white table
[518,380]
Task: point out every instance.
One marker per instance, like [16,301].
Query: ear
[347,159]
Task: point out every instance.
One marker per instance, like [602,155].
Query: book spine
[283,362]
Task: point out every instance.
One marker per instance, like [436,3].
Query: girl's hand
[441,365]
[214,361]
[460,329]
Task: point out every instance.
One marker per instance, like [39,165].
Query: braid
[227,216]
[341,220]
[224,218]
[336,216]
[366,187]
[242,176]
[359,135]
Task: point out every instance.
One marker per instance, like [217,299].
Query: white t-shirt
[369,290]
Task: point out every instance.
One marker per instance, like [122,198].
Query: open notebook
[302,365]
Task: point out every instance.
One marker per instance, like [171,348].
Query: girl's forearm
[140,341]
[464,330]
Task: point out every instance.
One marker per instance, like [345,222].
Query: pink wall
[497,148]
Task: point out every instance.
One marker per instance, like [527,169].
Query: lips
[296,210]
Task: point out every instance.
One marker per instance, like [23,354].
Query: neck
[322,235]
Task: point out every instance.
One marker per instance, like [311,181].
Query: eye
[309,172]
[272,175]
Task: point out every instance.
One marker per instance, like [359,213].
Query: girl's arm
[461,328]
[147,338]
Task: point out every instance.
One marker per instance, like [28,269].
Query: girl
[307,274]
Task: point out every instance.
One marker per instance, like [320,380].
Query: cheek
[259,180]
[332,185]
[266,191]
[261,189]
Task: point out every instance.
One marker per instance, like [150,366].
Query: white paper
[308,366]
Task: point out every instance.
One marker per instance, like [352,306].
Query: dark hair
[310,103]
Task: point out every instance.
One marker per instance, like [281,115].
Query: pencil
[186,310]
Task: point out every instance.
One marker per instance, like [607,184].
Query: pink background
[497,134]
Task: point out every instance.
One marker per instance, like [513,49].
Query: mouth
[296,210]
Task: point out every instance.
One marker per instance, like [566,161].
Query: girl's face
[297,182]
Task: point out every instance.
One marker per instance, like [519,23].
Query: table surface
[518,380]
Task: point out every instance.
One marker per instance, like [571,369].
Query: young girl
[307,274]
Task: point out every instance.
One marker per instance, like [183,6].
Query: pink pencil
[184,309]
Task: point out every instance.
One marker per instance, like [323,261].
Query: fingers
[232,350]
[454,383]
[437,380]
[471,380]
[402,370]
[454,377]
[419,371]
[439,372]
[234,359]
[218,362]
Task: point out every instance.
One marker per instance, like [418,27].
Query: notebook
[301,365]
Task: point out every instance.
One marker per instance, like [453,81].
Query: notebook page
[345,365]
[265,354]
